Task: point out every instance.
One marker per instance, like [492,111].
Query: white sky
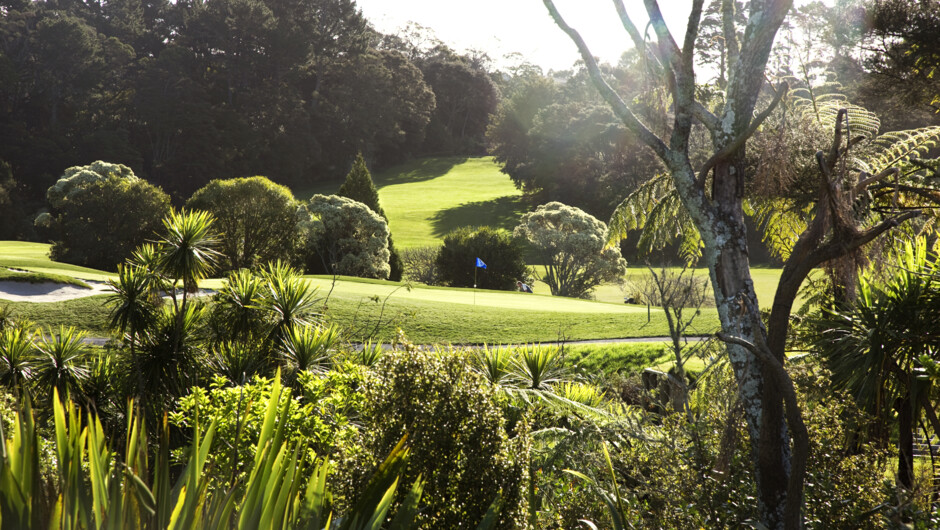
[524,26]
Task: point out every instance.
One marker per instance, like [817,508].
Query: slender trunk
[905,442]
[726,255]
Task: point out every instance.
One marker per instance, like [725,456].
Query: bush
[420,265]
[101,213]
[503,256]
[457,434]
[319,416]
[573,246]
[359,187]
[256,220]
[345,236]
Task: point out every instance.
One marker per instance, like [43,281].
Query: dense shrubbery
[345,237]
[255,218]
[572,245]
[503,256]
[460,439]
[100,213]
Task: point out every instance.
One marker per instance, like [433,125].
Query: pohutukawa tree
[712,194]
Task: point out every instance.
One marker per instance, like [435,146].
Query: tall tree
[359,187]
[712,193]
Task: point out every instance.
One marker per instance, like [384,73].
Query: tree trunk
[905,442]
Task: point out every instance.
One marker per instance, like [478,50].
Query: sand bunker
[48,291]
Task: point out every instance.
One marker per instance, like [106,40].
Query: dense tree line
[186,92]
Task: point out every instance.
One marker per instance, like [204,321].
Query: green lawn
[35,257]
[426,199]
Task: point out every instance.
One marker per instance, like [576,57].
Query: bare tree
[712,194]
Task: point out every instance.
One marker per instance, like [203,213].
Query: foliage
[60,364]
[503,256]
[359,187]
[345,236]
[873,347]
[464,96]
[572,245]
[318,417]
[100,213]
[255,219]
[420,265]
[461,444]
[95,487]
[290,89]
[557,142]
[693,471]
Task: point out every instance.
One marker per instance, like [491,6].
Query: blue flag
[480,264]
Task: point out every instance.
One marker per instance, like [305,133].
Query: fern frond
[781,221]
[657,211]
[896,147]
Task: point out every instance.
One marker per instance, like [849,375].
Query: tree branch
[610,96]
[739,141]
[730,35]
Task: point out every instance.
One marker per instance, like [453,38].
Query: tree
[573,247]
[345,236]
[503,256]
[712,195]
[876,345]
[907,58]
[557,142]
[100,213]
[465,97]
[255,219]
[359,187]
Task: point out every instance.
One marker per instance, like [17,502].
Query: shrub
[101,213]
[420,265]
[359,187]
[572,245]
[503,256]
[318,417]
[345,236]
[457,434]
[255,218]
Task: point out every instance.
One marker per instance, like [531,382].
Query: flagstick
[475,284]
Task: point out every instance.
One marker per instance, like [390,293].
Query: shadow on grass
[502,212]
[418,170]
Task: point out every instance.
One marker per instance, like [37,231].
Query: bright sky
[524,26]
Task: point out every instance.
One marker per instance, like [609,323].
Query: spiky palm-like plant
[496,364]
[187,250]
[17,350]
[132,306]
[873,346]
[539,366]
[239,313]
[171,356]
[240,361]
[60,364]
[307,348]
[291,300]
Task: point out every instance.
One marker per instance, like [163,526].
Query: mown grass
[7,275]
[34,257]
[427,198]
[87,314]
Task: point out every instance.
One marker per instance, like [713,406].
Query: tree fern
[656,209]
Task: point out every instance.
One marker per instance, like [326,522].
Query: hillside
[427,198]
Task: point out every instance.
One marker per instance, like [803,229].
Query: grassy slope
[427,198]
[35,257]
